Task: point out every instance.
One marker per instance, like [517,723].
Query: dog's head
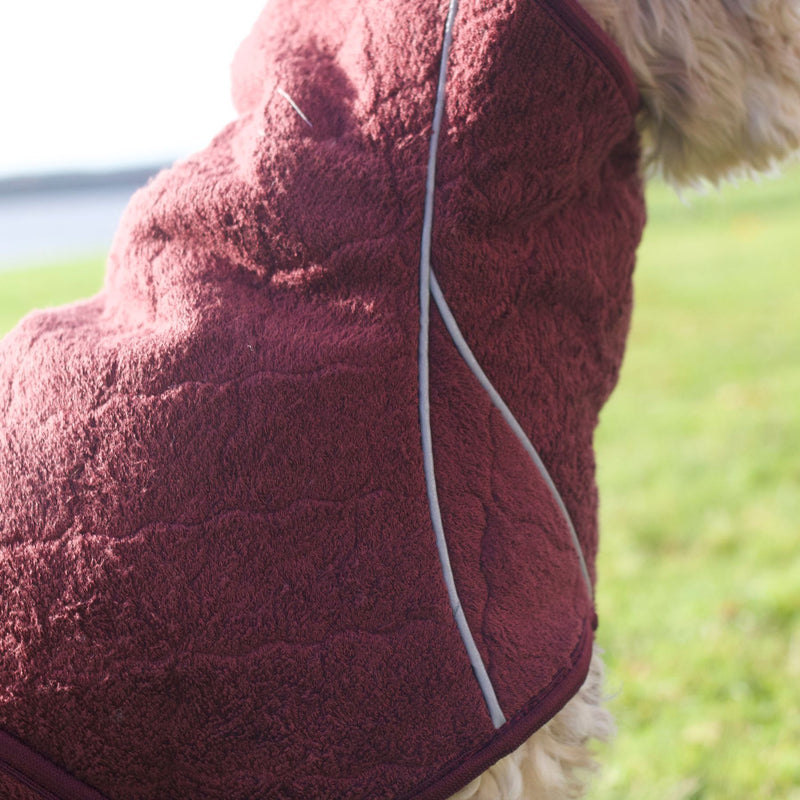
[720,81]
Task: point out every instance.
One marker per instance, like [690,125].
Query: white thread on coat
[295,107]
[478,667]
[469,357]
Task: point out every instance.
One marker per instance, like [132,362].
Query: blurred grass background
[699,472]
[699,469]
[46,285]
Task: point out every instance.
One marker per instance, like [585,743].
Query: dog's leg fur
[555,763]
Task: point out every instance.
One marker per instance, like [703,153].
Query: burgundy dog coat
[302,504]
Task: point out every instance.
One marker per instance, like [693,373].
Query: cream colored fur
[720,84]
[556,761]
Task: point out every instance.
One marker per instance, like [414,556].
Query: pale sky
[95,83]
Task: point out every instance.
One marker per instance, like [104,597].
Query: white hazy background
[93,84]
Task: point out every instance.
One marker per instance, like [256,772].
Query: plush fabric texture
[218,573]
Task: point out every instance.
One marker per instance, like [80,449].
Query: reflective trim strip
[295,107]
[482,676]
[468,356]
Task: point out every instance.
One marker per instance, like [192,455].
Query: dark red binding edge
[456,775]
[40,775]
[577,21]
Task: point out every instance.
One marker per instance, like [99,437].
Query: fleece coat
[230,564]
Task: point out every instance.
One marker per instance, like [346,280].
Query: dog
[272,526]
[720,88]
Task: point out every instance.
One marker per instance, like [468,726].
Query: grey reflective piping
[295,107]
[499,403]
[478,667]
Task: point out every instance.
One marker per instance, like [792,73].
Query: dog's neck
[720,82]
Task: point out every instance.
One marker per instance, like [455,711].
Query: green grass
[699,593]
[699,469]
[46,285]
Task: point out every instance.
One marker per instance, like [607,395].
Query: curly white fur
[556,762]
[720,82]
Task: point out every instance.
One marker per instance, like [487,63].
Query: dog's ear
[720,82]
